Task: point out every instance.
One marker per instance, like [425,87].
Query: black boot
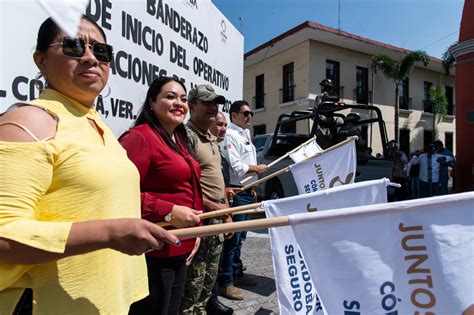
[215,307]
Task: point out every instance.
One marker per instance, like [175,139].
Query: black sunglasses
[76,48]
[247,113]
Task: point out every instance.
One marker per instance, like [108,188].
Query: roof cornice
[337,32]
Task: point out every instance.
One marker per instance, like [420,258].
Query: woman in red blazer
[170,188]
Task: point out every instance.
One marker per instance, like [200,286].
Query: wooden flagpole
[280,158]
[249,225]
[217,213]
[287,169]
[215,229]
[264,179]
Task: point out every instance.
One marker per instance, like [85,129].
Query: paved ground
[257,258]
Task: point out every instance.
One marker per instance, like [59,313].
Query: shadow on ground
[263,311]
[265,286]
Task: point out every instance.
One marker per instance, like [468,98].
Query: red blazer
[166,178]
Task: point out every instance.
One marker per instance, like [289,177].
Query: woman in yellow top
[69,197]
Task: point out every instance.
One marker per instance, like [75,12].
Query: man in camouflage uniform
[203,267]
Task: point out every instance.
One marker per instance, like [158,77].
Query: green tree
[448,59]
[397,71]
[439,103]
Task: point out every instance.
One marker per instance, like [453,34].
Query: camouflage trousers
[202,274]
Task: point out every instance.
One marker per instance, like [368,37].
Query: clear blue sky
[429,25]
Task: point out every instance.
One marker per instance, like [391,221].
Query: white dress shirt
[423,161]
[240,152]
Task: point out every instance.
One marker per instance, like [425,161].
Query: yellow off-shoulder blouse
[79,175]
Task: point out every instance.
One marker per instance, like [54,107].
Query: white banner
[191,40]
[410,257]
[307,150]
[331,168]
[295,288]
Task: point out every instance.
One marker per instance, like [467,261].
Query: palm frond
[387,65]
[408,62]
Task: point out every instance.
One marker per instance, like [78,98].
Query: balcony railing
[405,103]
[360,98]
[258,101]
[451,109]
[287,94]
[428,108]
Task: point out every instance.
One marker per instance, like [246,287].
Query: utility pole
[339,15]
[372,101]
[241,19]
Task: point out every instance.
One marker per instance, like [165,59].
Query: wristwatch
[168,217]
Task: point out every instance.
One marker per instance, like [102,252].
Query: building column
[464,54]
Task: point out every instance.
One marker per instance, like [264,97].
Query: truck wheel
[273,190]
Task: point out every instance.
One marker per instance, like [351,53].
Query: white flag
[307,150]
[295,289]
[329,169]
[410,257]
[66,13]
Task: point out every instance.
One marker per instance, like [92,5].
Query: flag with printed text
[409,257]
[295,288]
[328,169]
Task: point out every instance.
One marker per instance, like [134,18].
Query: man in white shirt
[443,170]
[429,170]
[242,159]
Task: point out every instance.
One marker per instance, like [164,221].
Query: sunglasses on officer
[247,114]
[75,47]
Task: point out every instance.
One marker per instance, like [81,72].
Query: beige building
[283,75]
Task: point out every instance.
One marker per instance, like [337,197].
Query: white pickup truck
[330,126]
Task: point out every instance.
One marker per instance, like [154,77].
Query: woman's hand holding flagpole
[217,213]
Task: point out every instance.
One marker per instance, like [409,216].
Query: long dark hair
[147,116]
[49,30]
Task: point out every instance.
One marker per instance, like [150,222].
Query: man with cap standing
[203,267]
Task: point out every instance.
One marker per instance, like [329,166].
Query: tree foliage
[448,59]
[439,102]
[397,70]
